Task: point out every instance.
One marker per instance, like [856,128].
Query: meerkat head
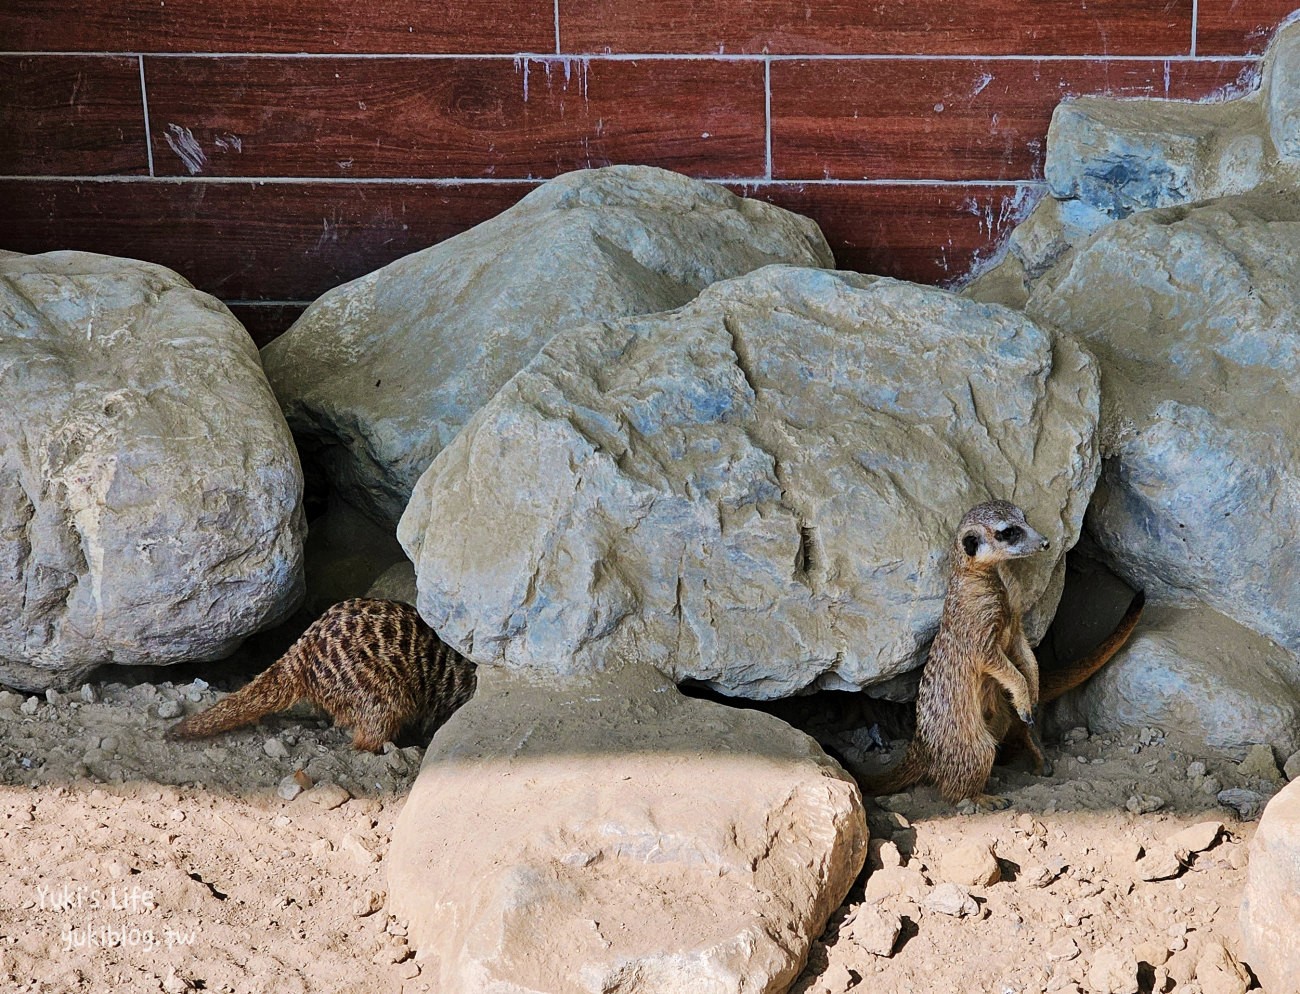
[995,532]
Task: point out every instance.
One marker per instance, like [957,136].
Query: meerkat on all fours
[373,665]
[980,685]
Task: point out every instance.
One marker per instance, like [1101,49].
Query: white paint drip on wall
[982,83]
[183,143]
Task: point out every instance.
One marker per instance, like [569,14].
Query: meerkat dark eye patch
[970,543]
[1011,535]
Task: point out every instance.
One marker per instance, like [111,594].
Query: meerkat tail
[905,773]
[268,692]
[1058,680]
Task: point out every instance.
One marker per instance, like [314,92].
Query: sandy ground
[136,864]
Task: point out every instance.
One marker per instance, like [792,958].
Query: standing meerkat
[373,665]
[980,685]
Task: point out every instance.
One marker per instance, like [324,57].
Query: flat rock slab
[379,374]
[1270,907]
[611,834]
[150,493]
[758,490]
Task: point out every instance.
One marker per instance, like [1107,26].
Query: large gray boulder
[381,373]
[758,490]
[150,494]
[610,834]
[1192,315]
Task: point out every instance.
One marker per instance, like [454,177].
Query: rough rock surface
[381,373]
[1198,674]
[1191,313]
[1121,156]
[150,494]
[1108,158]
[1270,907]
[612,834]
[397,583]
[757,490]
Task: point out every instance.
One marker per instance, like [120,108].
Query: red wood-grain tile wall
[271,149]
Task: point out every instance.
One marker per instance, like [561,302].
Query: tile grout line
[643,57]
[144,102]
[557,27]
[1196,14]
[767,113]
[442,181]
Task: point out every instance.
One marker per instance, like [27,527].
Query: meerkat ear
[970,543]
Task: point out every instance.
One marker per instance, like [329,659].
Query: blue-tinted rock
[381,373]
[757,490]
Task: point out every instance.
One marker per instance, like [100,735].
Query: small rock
[176,815]
[1162,862]
[108,744]
[972,865]
[1039,876]
[1211,785]
[1150,736]
[275,749]
[1259,764]
[355,848]
[882,853]
[1152,953]
[872,929]
[282,821]
[1196,838]
[1076,734]
[1196,769]
[289,788]
[951,899]
[1143,804]
[1291,768]
[9,701]
[30,705]
[1062,949]
[837,979]
[1113,972]
[321,846]
[1218,972]
[890,881]
[408,969]
[173,984]
[327,796]
[1247,803]
[368,903]
[170,709]
[393,953]
[88,693]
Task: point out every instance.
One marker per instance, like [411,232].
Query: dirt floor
[136,864]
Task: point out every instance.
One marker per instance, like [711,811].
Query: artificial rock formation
[608,833]
[1191,312]
[1270,906]
[381,373]
[150,494]
[757,490]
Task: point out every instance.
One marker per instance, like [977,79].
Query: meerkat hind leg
[991,802]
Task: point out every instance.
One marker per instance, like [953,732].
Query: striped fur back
[373,665]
